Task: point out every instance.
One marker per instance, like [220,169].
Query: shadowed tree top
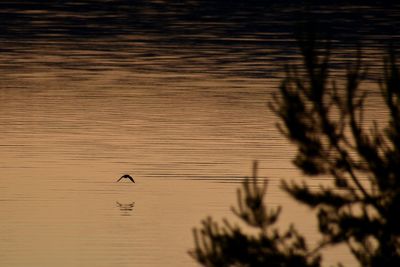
[326,121]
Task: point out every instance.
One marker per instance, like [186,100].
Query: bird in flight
[126,176]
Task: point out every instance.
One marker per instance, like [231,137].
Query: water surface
[172,94]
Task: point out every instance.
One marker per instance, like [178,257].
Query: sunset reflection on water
[179,104]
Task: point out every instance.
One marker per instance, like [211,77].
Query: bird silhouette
[126,176]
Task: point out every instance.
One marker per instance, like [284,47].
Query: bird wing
[126,176]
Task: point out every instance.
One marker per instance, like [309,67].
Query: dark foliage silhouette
[335,138]
[327,121]
[227,245]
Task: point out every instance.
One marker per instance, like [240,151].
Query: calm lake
[173,93]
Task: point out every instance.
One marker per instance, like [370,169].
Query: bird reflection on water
[125,208]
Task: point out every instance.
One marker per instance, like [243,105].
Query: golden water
[184,114]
